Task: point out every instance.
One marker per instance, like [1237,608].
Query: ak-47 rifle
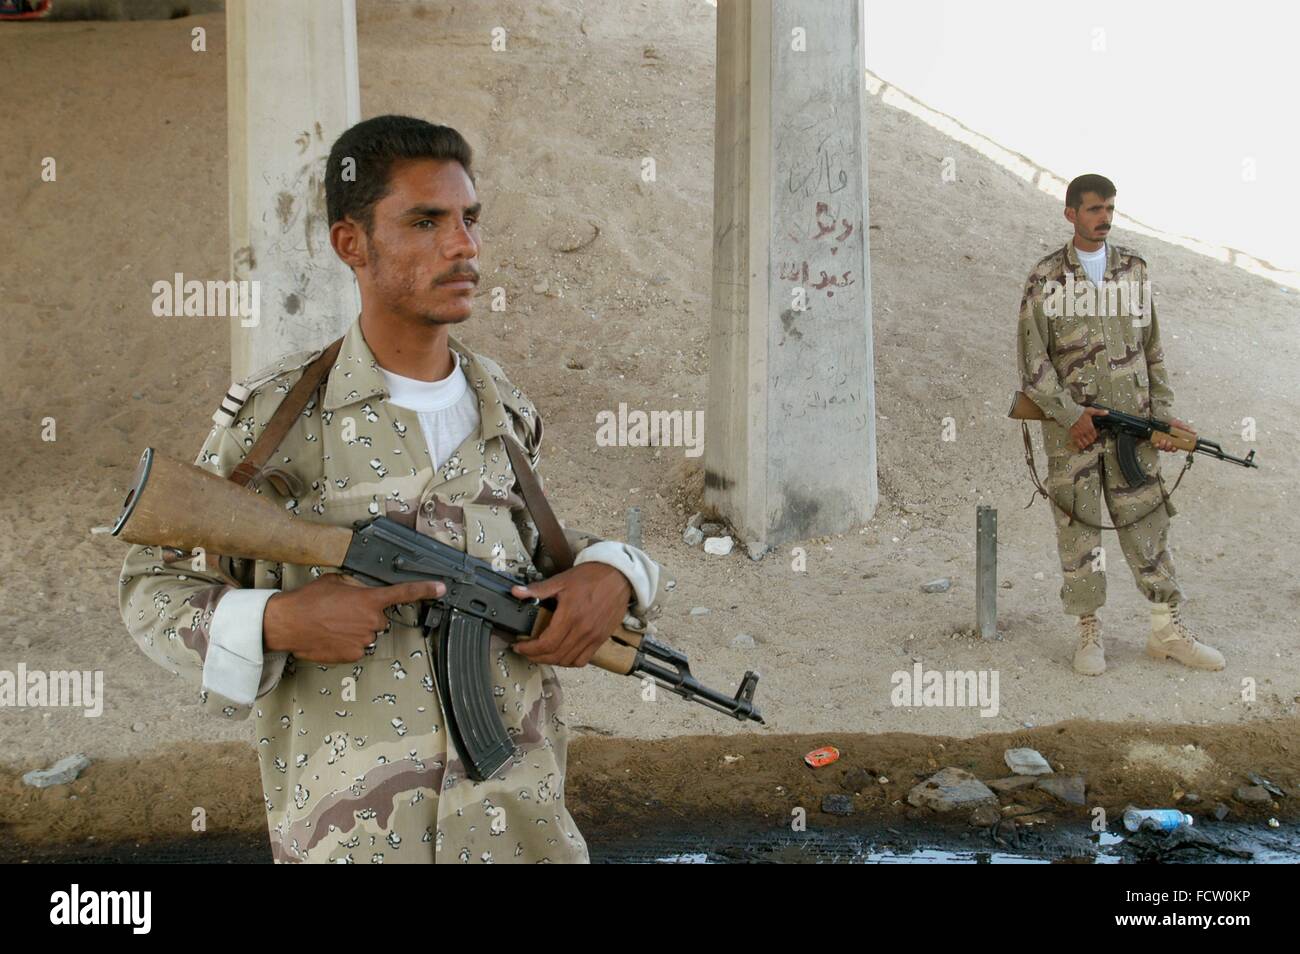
[1128,430]
[186,507]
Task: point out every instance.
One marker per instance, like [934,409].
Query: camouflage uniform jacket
[355,763]
[1113,359]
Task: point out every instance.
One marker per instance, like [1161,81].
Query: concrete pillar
[790,438]
[291,89]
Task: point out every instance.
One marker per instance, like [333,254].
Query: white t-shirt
[447,409]
[1094,263]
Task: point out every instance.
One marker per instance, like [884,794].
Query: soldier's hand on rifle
[1084,432]
[1162,441]
[591,601]
[334,618]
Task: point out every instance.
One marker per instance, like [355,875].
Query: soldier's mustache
[458,276]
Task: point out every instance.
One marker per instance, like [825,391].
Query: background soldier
[1088,334]
[409,424]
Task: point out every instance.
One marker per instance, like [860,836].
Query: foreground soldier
[1071,353]
[410,424]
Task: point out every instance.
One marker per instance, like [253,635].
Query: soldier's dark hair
[374,145]
[1088,183]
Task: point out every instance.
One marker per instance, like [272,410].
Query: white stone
[718,546]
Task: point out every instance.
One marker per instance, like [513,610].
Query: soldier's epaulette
[241,391]
[1123,252]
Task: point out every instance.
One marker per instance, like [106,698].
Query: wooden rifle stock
[182,506]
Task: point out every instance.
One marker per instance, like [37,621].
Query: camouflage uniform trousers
[1079,480]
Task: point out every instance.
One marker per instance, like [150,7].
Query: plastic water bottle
[1156,819]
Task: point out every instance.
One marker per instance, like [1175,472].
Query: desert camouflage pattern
[355,763]
[1080,481]
[1113,359]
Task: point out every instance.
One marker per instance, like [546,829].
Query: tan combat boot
[1170,639]
[1089,658]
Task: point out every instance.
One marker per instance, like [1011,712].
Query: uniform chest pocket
[490,535]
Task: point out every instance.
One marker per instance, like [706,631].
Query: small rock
[1253,795]
[718,546]
[1014,783]
[692,536]
[742,641]
[985,815]
[138,727]
[1220,811]
[1274,823]
[1066,788]
[137,395]
[1039,575]
[949,789]
[1191,798]
[1006,584]
[711,529]
[695,519]
[22,642]
[62,772]
[837,804]
[1264,783]
[699,611]
[937,586]
[756,550]
[542,287]
[1026,762]
[858,780]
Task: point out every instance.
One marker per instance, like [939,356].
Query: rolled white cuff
[641,571]
[237,666]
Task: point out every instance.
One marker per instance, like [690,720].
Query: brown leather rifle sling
[282,420]
[553,539]
[1074,518]
[620,653]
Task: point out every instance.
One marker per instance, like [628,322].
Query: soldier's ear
[1071,215]
[349,241]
